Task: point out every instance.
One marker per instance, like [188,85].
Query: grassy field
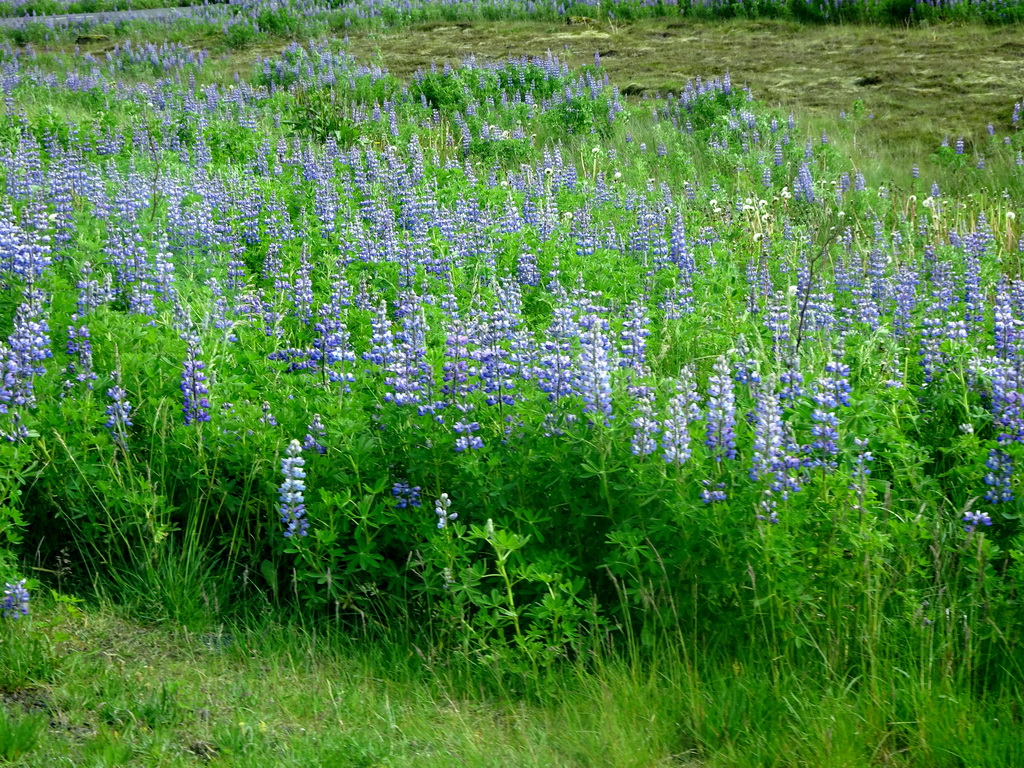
[919,85]
[259,693]
[723,395]
[902,89]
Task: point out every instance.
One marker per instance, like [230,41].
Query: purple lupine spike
[218,317]
[119,413]
[467,439]
[932,334]
[645,429]
[682,411]
[194,390]
[405,495]
[409,376]
[769,435]
[595,381]
[302,290]
[291,500]
[21,359]
[777,320]
[907,282]
[1006,402]
[79,345]
[442,507]
[720,414]
[1006,327]
[268,416]
[459,371]
[999,478]
[314,434]
[972,519]
[767,506]
[497,353]
[634,337]
[713,493]
[382,341]
[803,188]
[16,598]
[91,293]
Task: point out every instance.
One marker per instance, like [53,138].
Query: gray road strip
[108,17]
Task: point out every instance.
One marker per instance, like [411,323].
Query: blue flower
[314,434]
[405,495]
[195,403]
[720,417]
[441,507]
[118,414]
[292,502]
[15,603]
[972,520]
[999,478]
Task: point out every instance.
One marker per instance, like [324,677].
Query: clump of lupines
[291,496]
[443,274]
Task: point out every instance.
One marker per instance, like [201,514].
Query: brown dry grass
[919,83]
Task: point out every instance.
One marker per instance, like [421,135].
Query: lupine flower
[768,436]
[713,493]
[466,439]
[595,379]
[804,186]
[645,427]
[720,415]
[405,495]
[972,520]
[267,417]
[80,345]
[118,413]
[315,433]
[634,337]
[681,413]
[91,293]
[292,502]
[768,512]
[441,507]
[16,598]
[999,478]
[195,403]
[861,461]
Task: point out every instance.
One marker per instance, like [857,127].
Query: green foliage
[568,540]
[241,33]
[19,735]
[318,114]
[28,656]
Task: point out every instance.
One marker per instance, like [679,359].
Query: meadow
[517,410]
